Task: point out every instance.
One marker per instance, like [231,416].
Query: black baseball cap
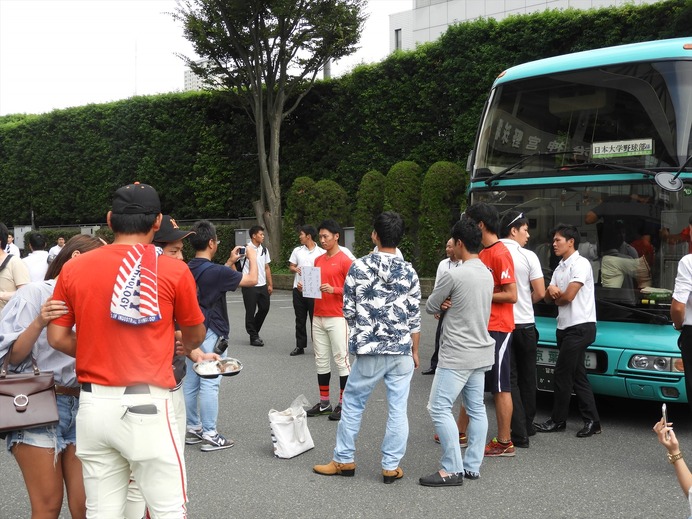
[169,231]
[136,199]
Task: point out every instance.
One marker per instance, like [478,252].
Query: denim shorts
[56,437]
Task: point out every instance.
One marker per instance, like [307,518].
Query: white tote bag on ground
[289,430]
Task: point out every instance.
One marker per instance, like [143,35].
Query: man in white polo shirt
[681,313]
[514,232]
[55,249]
[571,289]
[256,299]
[37,260]
[303,256]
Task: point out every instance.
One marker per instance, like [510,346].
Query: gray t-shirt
[465,342]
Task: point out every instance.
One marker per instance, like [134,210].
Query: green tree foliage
[269,53]
[369,203]
[402,194]
[442,193]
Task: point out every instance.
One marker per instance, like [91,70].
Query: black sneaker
[435,480]
[193,437]
[336,414]
[215,443]
[317,410]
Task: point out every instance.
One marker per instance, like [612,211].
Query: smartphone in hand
[664,412]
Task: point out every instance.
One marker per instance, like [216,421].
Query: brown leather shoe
[336,469]
[389,476]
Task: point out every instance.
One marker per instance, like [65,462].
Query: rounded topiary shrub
[328,200]
[298,200]
[369,203]
[442,194]
[402,194]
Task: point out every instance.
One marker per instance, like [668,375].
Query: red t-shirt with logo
[333,271]
[113,353]
[499,261]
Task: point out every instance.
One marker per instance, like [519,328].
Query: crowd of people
[129,397]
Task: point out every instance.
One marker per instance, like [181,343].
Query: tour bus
[601,139]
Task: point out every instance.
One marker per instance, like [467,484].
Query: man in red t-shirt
[682,236]
[124,301]
[498,259]
[329,328]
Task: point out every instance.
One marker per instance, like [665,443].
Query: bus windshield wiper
[524,158]
[660,319]
[609,165]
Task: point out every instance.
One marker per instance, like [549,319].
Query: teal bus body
[632,53]
[619,343]
[592,139]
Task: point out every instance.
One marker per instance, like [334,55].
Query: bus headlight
[656,363]
[662,364]
[639,362]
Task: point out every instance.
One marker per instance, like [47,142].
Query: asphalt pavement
[622,472]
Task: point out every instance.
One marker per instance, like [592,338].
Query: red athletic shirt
[499,261]
[685,233]
[333,271]
[113,353]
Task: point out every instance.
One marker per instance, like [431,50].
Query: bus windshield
[633,115]
[633,234]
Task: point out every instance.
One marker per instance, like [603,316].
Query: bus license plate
[545,366]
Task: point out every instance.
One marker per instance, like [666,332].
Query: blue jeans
[202,391]
[366,372]
[51,436]
[446,386]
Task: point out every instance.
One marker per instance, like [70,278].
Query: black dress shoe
[520,441]
[590,428]
[297,351]
[429,371]
[549,426]
[256,342]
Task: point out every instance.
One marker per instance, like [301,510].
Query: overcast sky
[62,53]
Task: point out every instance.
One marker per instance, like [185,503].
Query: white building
[192,80]
[429,19]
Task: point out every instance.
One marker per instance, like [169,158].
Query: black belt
[67,391]
[139,389]
[522,326]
